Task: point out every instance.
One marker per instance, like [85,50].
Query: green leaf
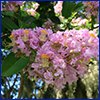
[8,23]
[78,7]
[51,14]
[2,29]
[55,19]
[9,13]
[67,9]
[12,65]
[21,24]
[24,14]
[32,25]
[29,19]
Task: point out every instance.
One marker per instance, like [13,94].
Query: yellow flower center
[25,31]
[43,31]
[11,35]
[44,56]
[92,35]
[88,60]
[64,36]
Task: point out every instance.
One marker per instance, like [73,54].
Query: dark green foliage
[9,13]
[78,7]
[55,20]
[8,24]
[21,24]
[12,65]
[47,7]
[67,9]
[80,90]
[50,92]
[29,19]
[27,89]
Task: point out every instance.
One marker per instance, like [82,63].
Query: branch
[5,89]
[96,27]
[7,81]
[2,96]
[21,82]
[11,88]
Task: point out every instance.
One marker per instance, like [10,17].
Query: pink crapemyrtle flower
[60,57]
[58,7]
[11,5]
[92,8]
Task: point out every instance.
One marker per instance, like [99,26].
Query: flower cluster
[79,21]
[58,7]
[26,40]
[60,57]
[32,11]
[92,8]
[11,5]
[63,57]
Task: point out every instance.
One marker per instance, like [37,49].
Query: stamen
[88,60]
[92,35]
[16,9]
[43,31]
[11,35]
[88,3]
[25,31]
[44,56]
[64,36]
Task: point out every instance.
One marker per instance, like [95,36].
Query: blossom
[92,8]
[20,42]
[35,6]
[60,57]
[79,21]
[11,5]
[58,7]
[31,12]
[48,75]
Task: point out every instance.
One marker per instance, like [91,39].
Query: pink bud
[28,22]
[16,55]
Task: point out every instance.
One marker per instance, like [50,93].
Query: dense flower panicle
[61,57]
[27,40]
[92,8]
[11,5]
